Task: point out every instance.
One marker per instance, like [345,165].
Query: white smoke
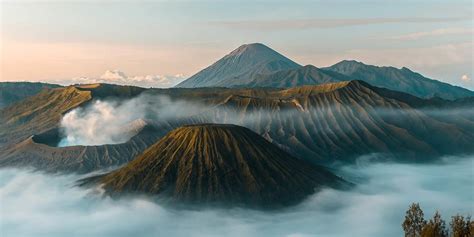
[36,204]
[100,123]
[114,121]
[118,77]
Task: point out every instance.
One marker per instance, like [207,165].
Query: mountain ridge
[403,79]
[258,66]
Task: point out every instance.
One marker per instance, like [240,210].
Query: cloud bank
[120,78]
[36,204]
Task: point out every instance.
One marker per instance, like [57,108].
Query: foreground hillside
[213,163]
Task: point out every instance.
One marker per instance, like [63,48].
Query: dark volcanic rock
[213,163]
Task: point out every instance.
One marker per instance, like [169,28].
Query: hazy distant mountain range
[256,65]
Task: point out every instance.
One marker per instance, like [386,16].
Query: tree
[415,225]
[461,227]
[436,227]
[414,221]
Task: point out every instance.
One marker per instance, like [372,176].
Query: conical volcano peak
[219,163]
[252,48]
[240,67]
[258,53]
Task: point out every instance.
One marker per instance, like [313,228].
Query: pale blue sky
[45,40]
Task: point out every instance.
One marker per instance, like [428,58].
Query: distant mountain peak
[258,52]
[348,65]
[351,61]
[240,67]
[253,47]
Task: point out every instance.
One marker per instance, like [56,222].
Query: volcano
[216,163]
[240,67]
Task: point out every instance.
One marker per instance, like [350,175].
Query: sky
[166,41]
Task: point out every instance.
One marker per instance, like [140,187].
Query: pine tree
[414,221]
[461,227]
[436,227]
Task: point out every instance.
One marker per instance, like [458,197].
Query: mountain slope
[240,67]
[38,152]
[307,75]
[213,163]
[11,92]
[43,112]
[403,80]
[342,121]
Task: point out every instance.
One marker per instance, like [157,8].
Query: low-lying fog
[37,204]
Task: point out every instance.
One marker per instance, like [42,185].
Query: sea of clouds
[38,204]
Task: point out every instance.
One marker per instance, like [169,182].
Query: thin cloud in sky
[436,32]
[272,25]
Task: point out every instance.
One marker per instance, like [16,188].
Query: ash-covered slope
[342,121]
[214,163]
[403,80]
[240,67]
